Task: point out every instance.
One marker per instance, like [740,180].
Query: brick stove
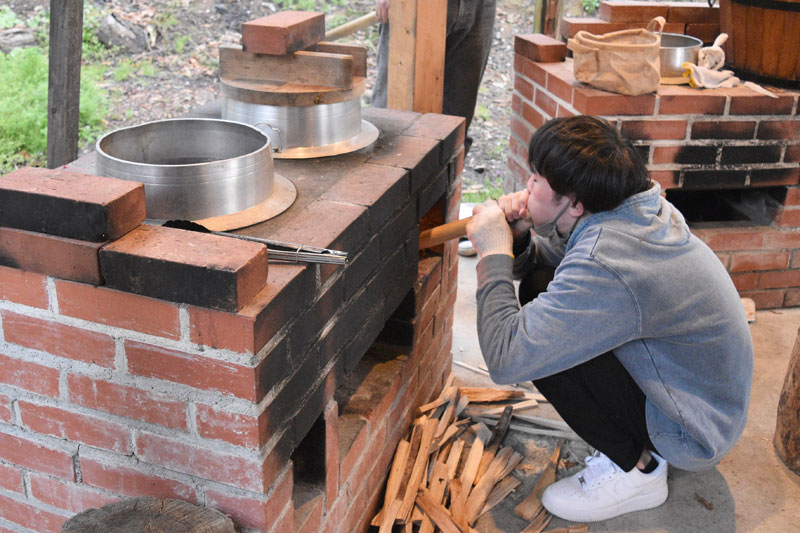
[728,158]
[285,414]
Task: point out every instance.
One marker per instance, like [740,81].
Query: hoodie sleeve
[585,312]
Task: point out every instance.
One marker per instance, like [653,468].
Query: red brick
[698,12]
[792,154]
[171,264]
[39,458]
[561,81]
[753,103]
[75,427]
[5,406]
[331,451]
[769,299]
[242,430]
[120,309]
[524,130]
[59,339]
[745,281]
[779,240]
[518,171]
[126,401]
[418,155]
[258,513]
[788,217]
[679,100]
[283,33]
[530,69]
[685,155]
[668,179]
[11,478]
[792,298]
[743,262]
[540,47]
[31,517]
[714,179]
[51,255]
[730,129]
[545,102]
[792,197]
[795,262]
[654,129]
[24,288]
[705,32]
[524,88]
[191,459]
[533,117]
[776,280]
[70,204]
[308,517]
[29,376]
[130,481]
[193,370]
[564,112]
[68,496]
[625,11]
[351,446]
[770,177]
[589,101]
[446,128]
[725,240]
[778,129]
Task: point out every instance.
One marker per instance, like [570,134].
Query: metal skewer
[293,252]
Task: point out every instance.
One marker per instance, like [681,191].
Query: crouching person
[626,322]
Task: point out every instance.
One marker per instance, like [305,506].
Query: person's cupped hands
[489,231]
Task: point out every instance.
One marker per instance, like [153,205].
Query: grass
[489,191]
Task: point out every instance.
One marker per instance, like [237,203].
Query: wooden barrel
[763,37]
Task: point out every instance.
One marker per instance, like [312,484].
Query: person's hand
[382,10]
[489,231]
[515,208]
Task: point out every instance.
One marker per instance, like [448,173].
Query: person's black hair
[585,157]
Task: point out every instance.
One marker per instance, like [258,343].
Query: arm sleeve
[585,312]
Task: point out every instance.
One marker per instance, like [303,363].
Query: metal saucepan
[677,49]
[192,168]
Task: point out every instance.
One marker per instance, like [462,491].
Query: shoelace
[599,469]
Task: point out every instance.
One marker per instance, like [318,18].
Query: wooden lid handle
[443,233]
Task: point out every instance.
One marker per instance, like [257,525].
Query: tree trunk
[149,514]
[787,429]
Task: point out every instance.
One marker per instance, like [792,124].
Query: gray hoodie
[636,281]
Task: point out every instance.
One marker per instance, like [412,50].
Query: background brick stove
[728,158]
[273,414]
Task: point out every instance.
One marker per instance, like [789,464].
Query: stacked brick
[697,19]
[106,394]
[693,140]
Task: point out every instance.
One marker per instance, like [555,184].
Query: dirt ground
[179,70]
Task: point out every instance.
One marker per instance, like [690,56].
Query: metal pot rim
[267,143]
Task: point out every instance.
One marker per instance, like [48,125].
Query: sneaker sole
[641,503]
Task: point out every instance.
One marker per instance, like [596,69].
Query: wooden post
[416,55]
[63,95]
[787,429]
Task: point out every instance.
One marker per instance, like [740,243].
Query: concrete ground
[750,490]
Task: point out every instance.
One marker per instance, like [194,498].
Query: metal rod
[325,255]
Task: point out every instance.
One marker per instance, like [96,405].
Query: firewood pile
[452,469]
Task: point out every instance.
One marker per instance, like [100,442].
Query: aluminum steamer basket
[191,168]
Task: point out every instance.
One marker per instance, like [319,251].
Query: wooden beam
[429,54]
[309,68]
[64,81]
[358,51]
[417,41]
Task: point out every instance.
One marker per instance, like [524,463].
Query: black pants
[598,399]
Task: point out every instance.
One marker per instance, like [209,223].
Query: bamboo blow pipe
[351,27]
[443,233]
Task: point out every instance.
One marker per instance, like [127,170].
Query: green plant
[590,6]
[8,19]
[147,69]
[482,112]
[489,191]
[180,43]
[124,70]
[23,107]
[91,48]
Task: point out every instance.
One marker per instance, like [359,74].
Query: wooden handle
[443,233]
[351,27]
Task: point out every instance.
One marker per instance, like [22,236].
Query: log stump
[787,428]
[149,514]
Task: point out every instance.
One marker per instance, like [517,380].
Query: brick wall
[693,140]
[105,394]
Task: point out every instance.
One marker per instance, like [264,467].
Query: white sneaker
[602,490]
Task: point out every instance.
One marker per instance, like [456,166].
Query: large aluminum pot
[677,49]
[192,168]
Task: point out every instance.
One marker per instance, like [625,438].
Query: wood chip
[532,505]
[483,394]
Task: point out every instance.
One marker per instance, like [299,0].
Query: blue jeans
[470,25]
